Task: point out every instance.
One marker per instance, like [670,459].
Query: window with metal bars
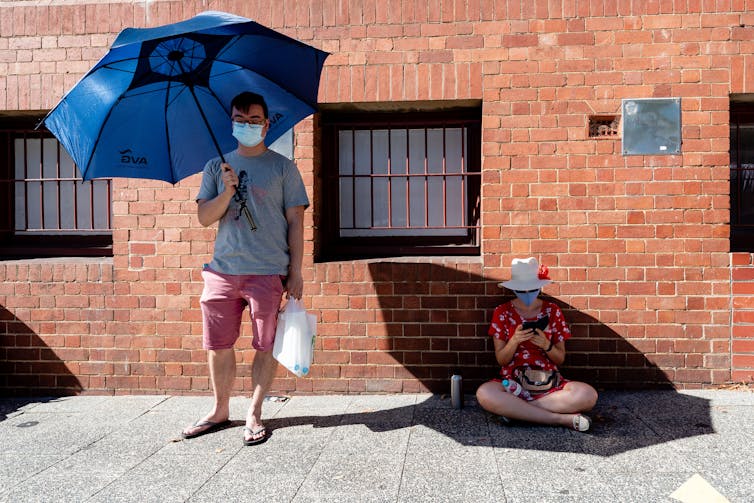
[48,210]
[742,177]
[403,183]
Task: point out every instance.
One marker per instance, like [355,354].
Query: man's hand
[294,285]
[230,179]
[210,211]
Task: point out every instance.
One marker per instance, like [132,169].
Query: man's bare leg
[262,374]
[222,372]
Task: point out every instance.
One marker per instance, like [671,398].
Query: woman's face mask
[248,135]
[527,297]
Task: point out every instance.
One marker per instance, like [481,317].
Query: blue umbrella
[156,105]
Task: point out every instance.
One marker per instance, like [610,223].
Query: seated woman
[517,347]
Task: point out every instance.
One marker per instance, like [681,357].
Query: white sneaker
[581,423]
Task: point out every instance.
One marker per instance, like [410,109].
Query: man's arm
[295,283]
[212,210]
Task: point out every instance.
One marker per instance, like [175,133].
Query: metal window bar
[408,178]
[26,185]
[444,180]
[426,178]
[426,175]
[57,181]
[371,181]
[76,199]
[735,177]
[464,169]
[41,184]
[47,202]
[390,177]
[353,180]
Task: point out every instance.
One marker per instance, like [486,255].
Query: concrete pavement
[644,446]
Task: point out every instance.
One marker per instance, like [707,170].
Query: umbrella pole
[206,123]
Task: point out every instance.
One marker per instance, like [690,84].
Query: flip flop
[210,428]
[254,441]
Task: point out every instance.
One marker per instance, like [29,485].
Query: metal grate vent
[603,126]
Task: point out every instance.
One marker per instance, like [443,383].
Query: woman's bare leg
[493,398]
[574,397]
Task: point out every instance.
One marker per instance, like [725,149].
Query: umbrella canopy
[157,104]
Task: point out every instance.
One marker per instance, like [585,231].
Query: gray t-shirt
[269,184]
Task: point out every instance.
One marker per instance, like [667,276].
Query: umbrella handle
[228,169]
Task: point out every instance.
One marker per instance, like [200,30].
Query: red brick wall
[638,246]
[742,343]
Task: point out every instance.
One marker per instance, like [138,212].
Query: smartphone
[540,323]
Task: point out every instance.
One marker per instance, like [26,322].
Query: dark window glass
[742,176]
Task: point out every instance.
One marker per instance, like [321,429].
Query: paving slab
[643,446]
[440,468]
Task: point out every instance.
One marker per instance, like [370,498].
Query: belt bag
[537,380]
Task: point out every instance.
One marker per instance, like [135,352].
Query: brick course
[637,245]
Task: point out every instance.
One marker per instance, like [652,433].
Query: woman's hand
[539,339]
[521,334]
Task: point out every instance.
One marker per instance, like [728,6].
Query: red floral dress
[505,319]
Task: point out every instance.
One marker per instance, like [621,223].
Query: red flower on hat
[543,272]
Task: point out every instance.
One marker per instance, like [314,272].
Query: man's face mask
[248,135]
[528,296]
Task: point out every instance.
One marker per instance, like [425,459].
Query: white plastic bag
[294,338]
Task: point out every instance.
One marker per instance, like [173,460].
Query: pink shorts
[224,299]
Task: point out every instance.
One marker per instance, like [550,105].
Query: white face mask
[248,135]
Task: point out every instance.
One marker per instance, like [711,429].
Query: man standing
[259,199]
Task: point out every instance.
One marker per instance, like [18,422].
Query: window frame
[44,243]
[741,234]
[333,246]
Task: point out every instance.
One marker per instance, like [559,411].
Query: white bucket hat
[526,274]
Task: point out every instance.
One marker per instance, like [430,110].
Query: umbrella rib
[218,59]
[204,118]
[167,125]
[236,38]
[109,67]
[218,100]
[102,127]
[96,141]
[135,94]
[262,75]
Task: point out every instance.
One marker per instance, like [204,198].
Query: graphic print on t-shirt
[241,196]
[241,190]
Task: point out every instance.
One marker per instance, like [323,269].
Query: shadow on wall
[437,320]
[28,367]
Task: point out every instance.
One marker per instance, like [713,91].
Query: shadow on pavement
[437,319]
[8,406]
[623,421]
